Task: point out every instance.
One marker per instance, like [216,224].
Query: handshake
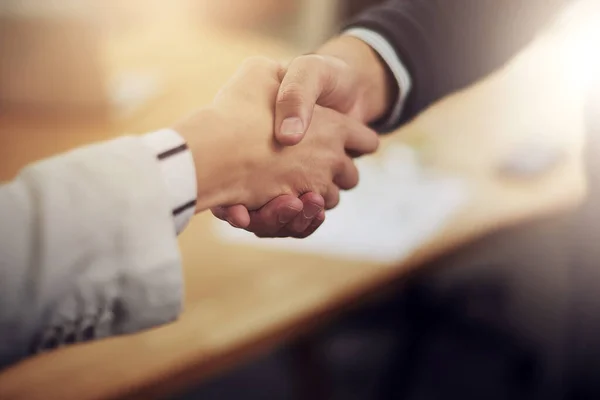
[276,146]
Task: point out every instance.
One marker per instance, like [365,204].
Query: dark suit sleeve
[448,44]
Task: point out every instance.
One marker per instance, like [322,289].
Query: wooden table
[241,301]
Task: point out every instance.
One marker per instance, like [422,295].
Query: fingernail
[311,210]
[287,214]
[292,126]
[232,224]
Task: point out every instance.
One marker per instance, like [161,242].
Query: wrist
[378,89]
[217,178]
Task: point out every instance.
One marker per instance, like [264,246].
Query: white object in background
[130,92]
[532,159]
[397,206]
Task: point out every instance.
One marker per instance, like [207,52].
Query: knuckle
[332,202]
[292,93]
[336,125]
[261,65]
[338,163]
[251,63]
[309,62]
[297,230]
[352,181]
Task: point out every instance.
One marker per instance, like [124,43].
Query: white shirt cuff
[178,172]
[388,54]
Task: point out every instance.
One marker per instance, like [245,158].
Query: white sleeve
[87,249]
[389,56]
[178,172]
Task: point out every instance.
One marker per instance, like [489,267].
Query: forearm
[88,249]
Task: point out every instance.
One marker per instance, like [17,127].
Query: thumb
[308,80]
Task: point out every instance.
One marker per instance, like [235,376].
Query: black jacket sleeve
[448,44]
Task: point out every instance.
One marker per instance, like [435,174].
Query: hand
[238,161]
[345,75]
[284,216]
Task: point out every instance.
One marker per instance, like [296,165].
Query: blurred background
[59,55]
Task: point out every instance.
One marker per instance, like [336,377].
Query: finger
[219,212]
[347,178]
[237,216]
[313,205]
[360,139]
[269,219]
[332,198]
[309,79]
[289,231]
[314,225]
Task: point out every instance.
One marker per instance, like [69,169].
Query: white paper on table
[396,207]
